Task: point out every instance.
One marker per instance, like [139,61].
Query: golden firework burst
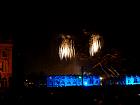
[94,44]
[66,48]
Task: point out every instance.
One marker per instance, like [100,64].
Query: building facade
[5,64]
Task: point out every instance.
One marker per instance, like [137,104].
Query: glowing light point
[80,77]
[101,78]
[85,83]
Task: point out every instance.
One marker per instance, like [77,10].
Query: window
[4,54]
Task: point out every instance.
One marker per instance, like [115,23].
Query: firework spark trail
[115,71]
[66,49]
[104,70]
[111,72]
[94,44]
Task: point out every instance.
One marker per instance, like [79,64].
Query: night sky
[35,38]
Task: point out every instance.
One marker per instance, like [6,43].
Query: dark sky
[37,47]
[35,34]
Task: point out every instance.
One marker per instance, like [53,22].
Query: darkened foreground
[73,95]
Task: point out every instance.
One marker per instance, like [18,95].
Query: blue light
[85,83]
[72,80]
[91,80]
[132,80]
[61,81]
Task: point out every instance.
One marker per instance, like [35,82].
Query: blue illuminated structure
[62,80]
[90,80]
[72,80]
[132,80]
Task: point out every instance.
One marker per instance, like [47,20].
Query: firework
[94,44]
[66,48]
